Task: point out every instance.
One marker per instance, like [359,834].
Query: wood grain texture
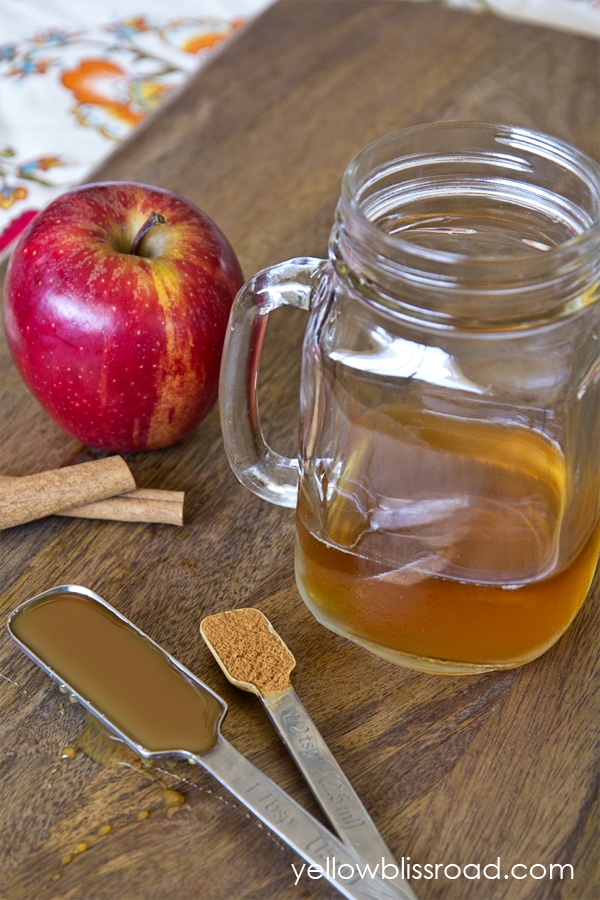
[452,770]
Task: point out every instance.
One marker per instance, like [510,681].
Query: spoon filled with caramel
[159,708]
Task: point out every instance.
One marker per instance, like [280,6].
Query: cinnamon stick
[32,497]
[142,505]
[148,505]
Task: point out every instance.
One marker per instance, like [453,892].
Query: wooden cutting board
[454,771]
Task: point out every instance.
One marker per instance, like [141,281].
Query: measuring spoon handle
[339,865]
[330,786]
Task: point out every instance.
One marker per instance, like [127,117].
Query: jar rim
[510,140]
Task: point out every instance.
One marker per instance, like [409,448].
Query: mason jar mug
[447,484]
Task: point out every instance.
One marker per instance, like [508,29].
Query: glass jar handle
[261,469]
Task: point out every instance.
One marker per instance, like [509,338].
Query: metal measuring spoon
[254,658]
[159,708]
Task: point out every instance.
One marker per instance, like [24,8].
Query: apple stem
[153,219]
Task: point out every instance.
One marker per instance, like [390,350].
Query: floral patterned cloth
[76,76]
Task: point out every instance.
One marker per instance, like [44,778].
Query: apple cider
[436,542]
[446,482]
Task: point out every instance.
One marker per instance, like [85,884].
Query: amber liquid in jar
[435,543]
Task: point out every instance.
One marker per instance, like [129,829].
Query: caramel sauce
[120,672]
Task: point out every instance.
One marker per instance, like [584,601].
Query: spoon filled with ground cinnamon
[255,659]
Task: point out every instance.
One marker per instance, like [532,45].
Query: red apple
[116,305]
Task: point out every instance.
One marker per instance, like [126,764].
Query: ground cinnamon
[249,650]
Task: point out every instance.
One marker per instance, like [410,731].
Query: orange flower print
[99,82]
[129,28]
[198,36]
[49,162]
[200,42]
[41,164]
[10,194]
[30,66]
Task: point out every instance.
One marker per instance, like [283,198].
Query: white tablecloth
[77,75]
